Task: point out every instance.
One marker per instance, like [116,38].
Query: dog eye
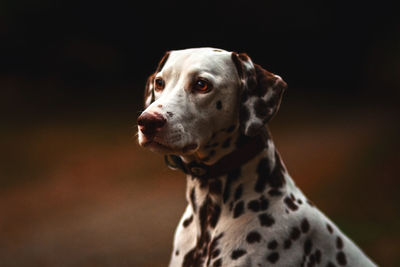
[201,85]
[159,84]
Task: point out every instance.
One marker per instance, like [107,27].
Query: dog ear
[261,94]
[149,89]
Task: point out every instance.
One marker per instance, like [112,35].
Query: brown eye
[201,86]
[159,84]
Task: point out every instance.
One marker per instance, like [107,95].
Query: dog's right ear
[149,89]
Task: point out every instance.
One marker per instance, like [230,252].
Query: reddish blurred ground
[82,193]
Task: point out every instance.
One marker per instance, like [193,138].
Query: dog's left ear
[261,94]
[149,89]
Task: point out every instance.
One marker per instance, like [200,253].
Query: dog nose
[150,123]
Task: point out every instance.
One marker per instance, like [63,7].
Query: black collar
[232,161]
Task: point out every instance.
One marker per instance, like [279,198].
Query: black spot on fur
[329,227]
[305,226]
[264,203]
[193,199]
[215,215]
[253,237]
[219,105]
[258,204]
[287,244]
[295,233]
[208,212]
[217,263]
[277,178]
[261,108]
[317,256]
[307,247]
[273,244]
[190,259]
[339,243]
[213,252]
[203,212]
[177,253]
[341,258]
[330,264]
[311,261]
[274,192]
[266,219]
[274,178]
[273,257]
[290,204]
[254,128]
[231,177]
[254,205]
[263,170]
[188,221]
[238,192]
[236,254]
[238,210]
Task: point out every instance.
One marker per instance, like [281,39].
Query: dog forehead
[206,58]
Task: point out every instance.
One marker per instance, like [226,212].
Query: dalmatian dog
[206,110]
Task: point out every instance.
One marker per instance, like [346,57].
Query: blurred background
[75,188]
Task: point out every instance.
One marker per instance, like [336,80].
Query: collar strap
[223,166]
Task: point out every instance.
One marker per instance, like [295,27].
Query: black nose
[150,123]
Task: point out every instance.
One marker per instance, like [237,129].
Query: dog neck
[262,176]
[244,152]
[220,144]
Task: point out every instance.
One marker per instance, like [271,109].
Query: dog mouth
[159,146]
[156,144]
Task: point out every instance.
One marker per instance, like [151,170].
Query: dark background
[65,55]
[77,191]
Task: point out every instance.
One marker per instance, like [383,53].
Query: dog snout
[150,123]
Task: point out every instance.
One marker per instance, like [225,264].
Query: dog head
[196,93]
